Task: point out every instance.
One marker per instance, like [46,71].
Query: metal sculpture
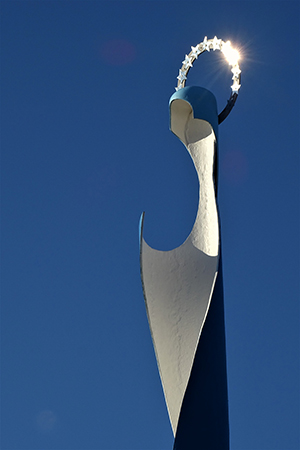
[183,287]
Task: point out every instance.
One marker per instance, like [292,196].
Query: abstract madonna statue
[183,287]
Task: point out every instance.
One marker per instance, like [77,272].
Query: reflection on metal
[183,287]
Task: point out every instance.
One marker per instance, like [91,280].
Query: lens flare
[231,55]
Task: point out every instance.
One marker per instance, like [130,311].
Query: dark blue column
[203,422]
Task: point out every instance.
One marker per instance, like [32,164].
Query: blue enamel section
[202,101]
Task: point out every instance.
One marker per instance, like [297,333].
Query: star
[182,76]
[206,44]
[226,47]
[216,43]
[235,87]
[236,70]
[195,51]
[188,62]
[179,86]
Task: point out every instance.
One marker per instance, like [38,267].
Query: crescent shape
[178,284]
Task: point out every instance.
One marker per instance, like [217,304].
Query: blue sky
[85,149]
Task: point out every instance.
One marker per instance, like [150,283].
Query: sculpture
[183,287]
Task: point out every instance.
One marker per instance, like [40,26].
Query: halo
[232,57]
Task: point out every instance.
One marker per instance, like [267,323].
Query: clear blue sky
[85,149]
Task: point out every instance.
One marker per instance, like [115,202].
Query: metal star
[206,44]
[188,61]
[235,87]
[236,70]
[216,43]
[195,51]
[182,76]
[226,47]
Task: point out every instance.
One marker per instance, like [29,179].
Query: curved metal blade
[178,284]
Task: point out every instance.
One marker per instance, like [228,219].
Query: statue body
[184,294]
